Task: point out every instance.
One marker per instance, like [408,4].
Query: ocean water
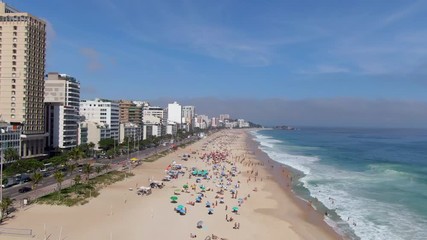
[373,182]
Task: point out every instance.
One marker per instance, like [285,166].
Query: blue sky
[296,50]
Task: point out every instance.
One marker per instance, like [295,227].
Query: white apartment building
[175,113]
[102,111]
[202,122]
[62,99]
[242,123]
[93,132]
[23,52]
[223,117]
[131,131]
[153,111]
[152,126]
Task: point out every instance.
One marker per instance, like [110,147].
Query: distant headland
[284,128]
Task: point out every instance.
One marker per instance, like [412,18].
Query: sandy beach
[265,208]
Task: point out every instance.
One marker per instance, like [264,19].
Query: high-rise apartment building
[130,112]
[175,113]
[22,66]
[62,98]
[188,113]
[102,111]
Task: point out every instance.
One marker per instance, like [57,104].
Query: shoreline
[283,175]
[267,212]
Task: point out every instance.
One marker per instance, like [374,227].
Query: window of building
[15,34]
[13,93]
[13,86]
[14,69]
[12,115]
[13,62]
[14,45]
[14,57]
[14,51]
[14,39]
[13,74]
[15,27]
[12,110]
[12,104]
[13,80]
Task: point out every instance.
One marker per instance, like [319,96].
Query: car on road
[24,189]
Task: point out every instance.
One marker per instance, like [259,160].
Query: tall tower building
[62,98]
[22,66]
[188,113]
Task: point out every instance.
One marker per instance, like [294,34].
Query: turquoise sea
[372,182]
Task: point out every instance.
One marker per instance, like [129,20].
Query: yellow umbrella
[134,159]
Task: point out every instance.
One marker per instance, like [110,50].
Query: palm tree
[91,146]
[76,154]
[71,168]
[59,177]
[87,169]
[37,177]
[98,169]
[77,180]
[4,206]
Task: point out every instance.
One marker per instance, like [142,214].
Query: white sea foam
[347,192]
[341,190]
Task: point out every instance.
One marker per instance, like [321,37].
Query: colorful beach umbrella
[185,186]
[174,198]
[235,209]
[180,207]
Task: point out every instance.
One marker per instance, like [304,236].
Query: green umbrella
[235,209]
[179,207]
[185,186]
[174,198]
[202,187]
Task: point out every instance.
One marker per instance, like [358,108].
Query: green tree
[10,155]
[98,169]
[59,177]
[77,179]
[91,146]
[87,169]
[76,154]
[5,205]
[71,168]
[37,177]
[106,144]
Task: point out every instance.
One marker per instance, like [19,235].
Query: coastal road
[116,163]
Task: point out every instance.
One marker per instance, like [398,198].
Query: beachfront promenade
[237,199]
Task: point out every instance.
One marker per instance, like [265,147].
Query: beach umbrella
[174,198]
[180,207]
[202,187]
[185,186]
[235,209]
[199,224]
[210,209]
